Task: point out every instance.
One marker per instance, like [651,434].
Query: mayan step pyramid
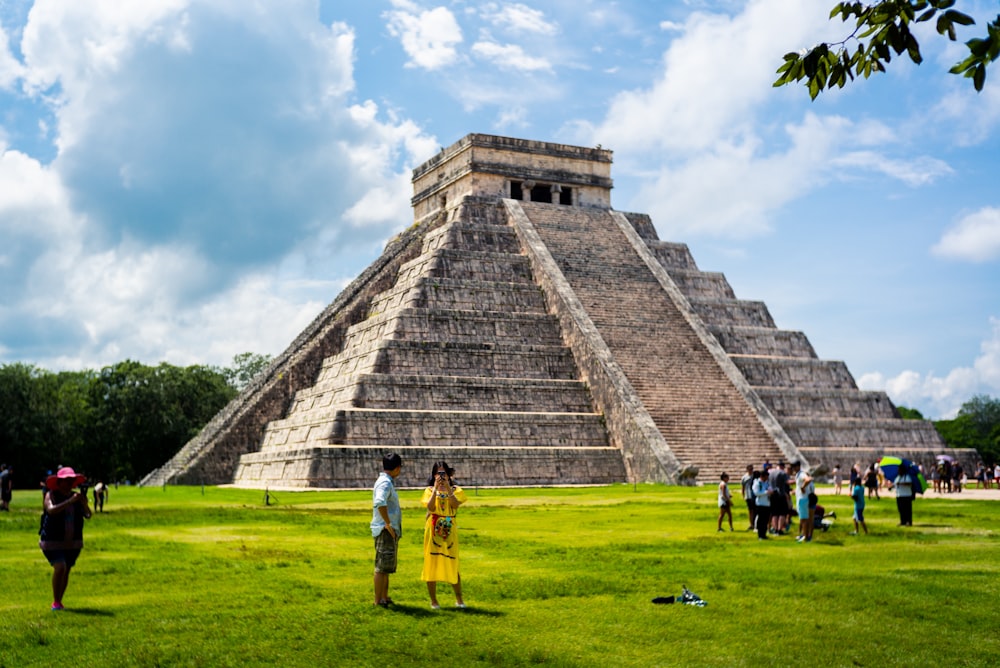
[529,334]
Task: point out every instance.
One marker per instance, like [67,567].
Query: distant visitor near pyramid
[529,334]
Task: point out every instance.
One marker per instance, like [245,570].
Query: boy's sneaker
[57,606]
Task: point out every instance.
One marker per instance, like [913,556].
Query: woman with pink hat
[62,527]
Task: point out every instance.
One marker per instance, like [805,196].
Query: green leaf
[960,18]
[980,77]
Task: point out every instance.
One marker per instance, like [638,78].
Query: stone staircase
[704,419]
[458,360]
[816,401]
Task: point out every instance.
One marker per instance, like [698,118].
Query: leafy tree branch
[881,30]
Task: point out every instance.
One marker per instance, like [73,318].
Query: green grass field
[182,577]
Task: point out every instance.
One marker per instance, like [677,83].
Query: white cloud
[209,160]
[714,76]
[976,237]
[917,171]
[941,397]
[429,36]
[509,56]
[518,18]
[10,68]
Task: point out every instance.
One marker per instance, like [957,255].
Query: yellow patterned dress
[441,538]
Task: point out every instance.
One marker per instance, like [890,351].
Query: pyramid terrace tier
[459,326]
[466,264]
[470,429]
[461,294]
[449,393]
[763,341]
[702,284]
[837,403]
[473,236]
[765,371]
[721,312]
[356,467]
[889,435]
[491,360]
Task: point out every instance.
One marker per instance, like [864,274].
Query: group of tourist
[441,499]
[768,497]
[769,494]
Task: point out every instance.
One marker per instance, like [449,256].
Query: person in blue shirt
[858,494]
[386,525]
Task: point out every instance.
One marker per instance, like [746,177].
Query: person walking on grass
[803,488]
[725,501]
[858,495]
[61,533]
[386,526]
[442,499]
[746,489]
[762,497]
[904,497]
[838,479]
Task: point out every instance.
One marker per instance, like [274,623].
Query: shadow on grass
[90,612]
[422,612]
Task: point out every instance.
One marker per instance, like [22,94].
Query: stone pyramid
[529,334]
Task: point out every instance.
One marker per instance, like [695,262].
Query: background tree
[245,368]
[880,29]
[977,425]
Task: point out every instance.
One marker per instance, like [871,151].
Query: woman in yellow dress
[442,499]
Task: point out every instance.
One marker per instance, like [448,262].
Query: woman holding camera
[62,527]
[442,499]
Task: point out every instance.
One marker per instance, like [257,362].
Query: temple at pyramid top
[528,333]
[521,169]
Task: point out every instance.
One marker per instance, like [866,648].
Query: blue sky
[185,180]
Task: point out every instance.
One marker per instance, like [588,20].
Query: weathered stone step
[356,467]
[672,256]
[473,236]
[436,324]
[478,265]
[761,371]
[702,284]
[463,393]
[846,403]
[472,359]
[448,393]
[844,432]
[360,426]
[766,341]
[732,312]
[462,294]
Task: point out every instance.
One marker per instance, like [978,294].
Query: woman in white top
[725,501]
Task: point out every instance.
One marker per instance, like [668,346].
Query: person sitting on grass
[725,501]
[858,494]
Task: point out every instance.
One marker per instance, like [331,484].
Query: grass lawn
[213,577]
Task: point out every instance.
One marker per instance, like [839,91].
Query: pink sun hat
[65,472]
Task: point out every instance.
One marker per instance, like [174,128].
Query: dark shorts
[67,556]
[385,552]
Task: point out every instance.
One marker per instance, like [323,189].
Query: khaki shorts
[385,552]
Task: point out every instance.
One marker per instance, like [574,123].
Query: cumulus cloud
[10,68]
[510,56]
[940,397]
[518,18]
[429,37]
[209,158]
[975,237]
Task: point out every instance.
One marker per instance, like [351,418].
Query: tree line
[123,421]
[114,424]
[977,425]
